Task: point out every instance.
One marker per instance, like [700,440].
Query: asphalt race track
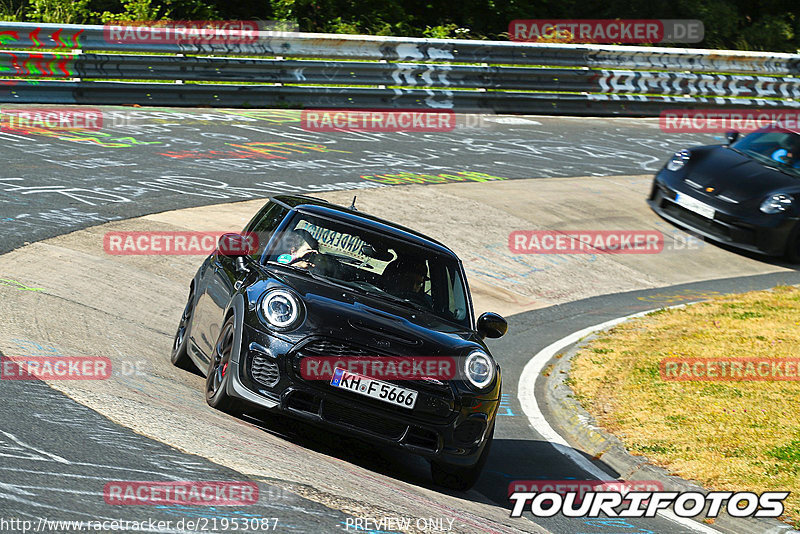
[57,453]
[150,160]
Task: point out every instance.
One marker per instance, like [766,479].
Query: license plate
[376,389]
[692,204]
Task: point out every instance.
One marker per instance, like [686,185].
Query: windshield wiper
[400,300]
[770,163]
[287,266]
[382,295]
[786,169]
[783,168]
[301,270]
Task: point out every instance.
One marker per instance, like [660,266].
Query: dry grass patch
[727,435]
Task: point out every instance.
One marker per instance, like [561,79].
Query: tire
[458,477]
[180,356]
[217,377]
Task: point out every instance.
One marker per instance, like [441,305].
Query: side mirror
[731,137]
[237,245]
[492,325]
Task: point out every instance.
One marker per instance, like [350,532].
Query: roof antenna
[353,205]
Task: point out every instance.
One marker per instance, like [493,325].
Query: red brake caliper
[224,368]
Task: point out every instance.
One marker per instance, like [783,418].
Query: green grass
[729,435]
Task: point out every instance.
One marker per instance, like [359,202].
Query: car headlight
[281,308]
[479,369]
[678,160]
[776,203]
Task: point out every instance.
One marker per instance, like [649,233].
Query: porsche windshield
[777,148]
[373,263]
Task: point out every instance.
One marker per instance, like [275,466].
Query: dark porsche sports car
[745,194]
[330,284]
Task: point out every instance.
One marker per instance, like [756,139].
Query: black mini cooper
[350,322]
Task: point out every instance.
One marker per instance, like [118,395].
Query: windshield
[777,148]
[379,265]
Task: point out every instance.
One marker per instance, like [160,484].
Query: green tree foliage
[11,10]
[135,10]
[64,11]
[772,25]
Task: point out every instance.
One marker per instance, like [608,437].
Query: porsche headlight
[281,308]
[479,369]
[678,160]
[776,203]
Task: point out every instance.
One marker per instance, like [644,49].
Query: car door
[215,291]
[219,281]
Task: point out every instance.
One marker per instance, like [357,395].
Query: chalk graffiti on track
[155,159]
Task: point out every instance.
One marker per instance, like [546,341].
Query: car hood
[336,312]
[737,177]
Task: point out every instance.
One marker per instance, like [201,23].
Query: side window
[264,224]
[458,301]
[767,143]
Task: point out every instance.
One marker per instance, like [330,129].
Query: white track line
[6,135]
[527,399]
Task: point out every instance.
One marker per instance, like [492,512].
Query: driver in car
[788,153]
[300,247]
[303,252]
[406,277]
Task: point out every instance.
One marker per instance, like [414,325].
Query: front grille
[363,420]
[436,401]
[264,369]
[325,347]
[695,220]
[341,349]
[728,232]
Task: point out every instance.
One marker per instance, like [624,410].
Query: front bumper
[445,424]
[757,232]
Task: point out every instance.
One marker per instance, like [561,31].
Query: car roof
[317,206]
[777,127]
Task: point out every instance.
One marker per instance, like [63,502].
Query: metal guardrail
[500,77]
[134,67]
